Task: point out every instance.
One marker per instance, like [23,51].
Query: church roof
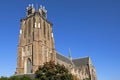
[76,62]
[81,61]
[63,58]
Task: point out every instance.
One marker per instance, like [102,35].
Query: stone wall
[81,72]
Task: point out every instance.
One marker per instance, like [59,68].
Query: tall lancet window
[48,33]
[44,29]
[25,30]
[29,27]
[34,22]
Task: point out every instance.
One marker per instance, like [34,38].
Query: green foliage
[75,78]
[86,79]
[51,71]
[25,78]
[3,78]
[16,78]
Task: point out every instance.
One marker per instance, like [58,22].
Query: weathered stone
[36,46]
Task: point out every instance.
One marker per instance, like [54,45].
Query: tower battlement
[30,10]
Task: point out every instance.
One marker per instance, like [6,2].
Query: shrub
[52,71]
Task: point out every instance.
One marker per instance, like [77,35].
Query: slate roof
[77,62]
[81,61]
[62,58]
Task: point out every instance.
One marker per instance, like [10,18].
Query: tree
[52,71]
[25,77]
[86,79]
[14,78]
[3,78]
[75,78]
[17,78]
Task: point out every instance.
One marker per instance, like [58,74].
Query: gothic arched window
[29,66]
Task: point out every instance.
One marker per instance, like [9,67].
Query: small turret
[43,11]
[30,10]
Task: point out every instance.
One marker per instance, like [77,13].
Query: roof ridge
[81,58]
[62,55]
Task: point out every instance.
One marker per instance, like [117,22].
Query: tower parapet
[31,10]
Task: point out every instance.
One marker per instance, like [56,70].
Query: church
[36,46]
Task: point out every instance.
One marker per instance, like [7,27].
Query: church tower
[36,41]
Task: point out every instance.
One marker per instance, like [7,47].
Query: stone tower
[36,41]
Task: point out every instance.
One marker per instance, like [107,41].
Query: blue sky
[87,27]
